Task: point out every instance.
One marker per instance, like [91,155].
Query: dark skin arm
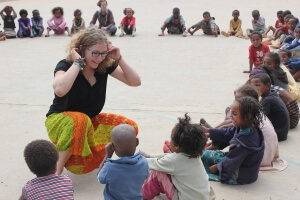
[109,152]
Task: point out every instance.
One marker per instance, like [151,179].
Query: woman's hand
[113,52]
[75,53]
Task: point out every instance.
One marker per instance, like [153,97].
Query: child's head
[187,138]
[124,141]
[77,14]
[272,60]
[23,14]
[246,91]
[285,55]
[235,14]
[287,18]
[128,12]
[292,23]
[206,16]
[176,13]
[286,12]
[263,69]
[262,84]
[256,39]
[58,12]
[8,10]
[36,14]
[279,15]
[246,112]
[102,4]
[41,157]
[255,14]
[297,32]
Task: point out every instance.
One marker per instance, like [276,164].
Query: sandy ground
[196,74]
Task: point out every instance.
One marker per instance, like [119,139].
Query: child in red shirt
[127,24]
[279,23]
[257,51]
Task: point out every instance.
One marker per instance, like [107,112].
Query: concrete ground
[196,74]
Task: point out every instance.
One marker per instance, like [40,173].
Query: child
[2,35]
[208,26]
[57,22]
[37,24]
[180,175]
[292,63]
[241,164]
[273,106]
[41,157]
[9,23]
[125,176]
[24,25]
[257,51]
[175,24]
[273,61]
[78,22]
[127,24]
[258,23]
[235,26]
[278,24]
[295,44]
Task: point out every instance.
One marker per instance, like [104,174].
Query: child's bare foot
[246,71]
[275,46]
[184,34]
[225,34]
[264,35]
[191,32]
[204,123]
[133,35]
[246,37]
[121,35]
[267,42]
[161,34]
[47,35]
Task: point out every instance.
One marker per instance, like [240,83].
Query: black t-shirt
[9,22]
[82,97]
[276,111]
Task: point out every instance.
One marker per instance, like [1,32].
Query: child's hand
[254,21]
[129,27]
[145,155]
[109,150]
[213,169]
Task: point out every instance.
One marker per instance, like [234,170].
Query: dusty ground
[196,74]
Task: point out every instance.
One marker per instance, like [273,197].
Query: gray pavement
[196,74]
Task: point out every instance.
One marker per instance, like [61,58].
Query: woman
[105,18]
[73,122]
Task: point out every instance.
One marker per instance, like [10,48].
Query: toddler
[208,26]
[292,63]
[257,51]
[258,23]
[278,24]
[235,26]
[57,22]
[273,106]
[246,145]
[37,24]
[24,25]
[41,157]
[9,23]
[188,180]
[127,24]
[78,22]
[175,24]
[124,176]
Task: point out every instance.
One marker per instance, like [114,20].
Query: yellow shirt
[236,25]
[293,85]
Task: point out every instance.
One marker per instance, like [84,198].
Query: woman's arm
[93,22]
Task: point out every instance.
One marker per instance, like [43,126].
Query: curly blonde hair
[86,38]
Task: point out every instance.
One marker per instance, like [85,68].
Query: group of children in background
[251,129]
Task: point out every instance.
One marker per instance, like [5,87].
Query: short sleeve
[103,174]
[267,49]
[62,65]
[112,68]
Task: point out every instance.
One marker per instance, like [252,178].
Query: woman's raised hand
[75,53]
[113,52]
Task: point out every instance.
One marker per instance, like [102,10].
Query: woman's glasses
[96,54]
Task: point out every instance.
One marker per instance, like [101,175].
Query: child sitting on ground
[24,25]
[207,25]
[257,51]
[175,24]
[127,24]
[124,176]
[258,23]
[295,44]
[235,26]
[2,35]
[9,23]
[292,63]
[78,22]
[41,157]
[57,22]
[37,24]
[246,145]
[272,105]
[180,174]
[278,24]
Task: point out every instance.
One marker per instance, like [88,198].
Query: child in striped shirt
[41,157]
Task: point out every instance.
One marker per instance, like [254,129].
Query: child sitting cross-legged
[41,157]
[179,174]
[235,26]
[124,176]
[240,165]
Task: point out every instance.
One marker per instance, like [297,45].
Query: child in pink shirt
[57,22]
[127,24]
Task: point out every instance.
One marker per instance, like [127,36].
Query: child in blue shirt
[124,176]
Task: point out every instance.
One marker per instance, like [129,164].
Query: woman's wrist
[118,60]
